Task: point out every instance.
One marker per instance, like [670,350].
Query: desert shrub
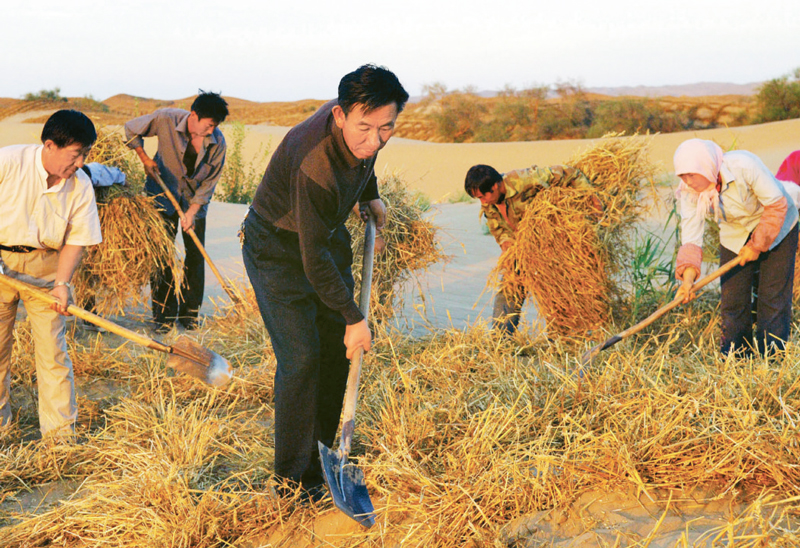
[631,115]
[239,179]
[45,95]
[514,116]
[458,114]
[779,99]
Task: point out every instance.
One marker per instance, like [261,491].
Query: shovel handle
[351,394]
[587,357]
[43,296]
[233,296]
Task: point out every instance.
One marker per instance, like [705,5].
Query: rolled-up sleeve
[138,128]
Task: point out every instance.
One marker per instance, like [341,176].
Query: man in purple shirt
[190,157]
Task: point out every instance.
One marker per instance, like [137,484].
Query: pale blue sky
[284,50]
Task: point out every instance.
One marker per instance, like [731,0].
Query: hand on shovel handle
[678,300]
[190,231]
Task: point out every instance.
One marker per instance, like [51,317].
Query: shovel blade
[347,486]
[204,364]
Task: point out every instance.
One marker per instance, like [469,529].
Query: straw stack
[569,253]
[135,241]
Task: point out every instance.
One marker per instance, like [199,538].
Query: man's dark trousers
[166,308]
[308,340]
[773,274]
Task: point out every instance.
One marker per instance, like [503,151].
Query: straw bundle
[135,241]
[410,245]
[568,253]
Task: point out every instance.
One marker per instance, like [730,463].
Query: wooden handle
[43,296]
[660,312]
[353,377]
[233,296]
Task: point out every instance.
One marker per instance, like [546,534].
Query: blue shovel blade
[347,487]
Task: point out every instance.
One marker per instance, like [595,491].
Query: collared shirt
[45,218]
[522,186]
[747,186]
[310,187]
[170,125]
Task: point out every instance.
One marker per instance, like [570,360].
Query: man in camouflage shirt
[504,200]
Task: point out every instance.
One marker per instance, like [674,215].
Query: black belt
[18,248]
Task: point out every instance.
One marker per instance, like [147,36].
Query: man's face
[492,197]
[366,134]
[696,182]
[63,162]
[200,127]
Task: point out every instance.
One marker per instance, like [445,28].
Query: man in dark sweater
[297,253]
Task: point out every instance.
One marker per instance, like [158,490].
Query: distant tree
[569,116]
[779,99]
[458,113]
[53,95]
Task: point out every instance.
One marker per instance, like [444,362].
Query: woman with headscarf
[757,222]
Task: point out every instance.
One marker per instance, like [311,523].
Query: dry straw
[135,241]
[466,439]
[410,246]
[568,252]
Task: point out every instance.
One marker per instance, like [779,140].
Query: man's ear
[339,116]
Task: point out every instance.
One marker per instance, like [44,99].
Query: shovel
[185,355]
[231,293]
[591,353]
[346,481]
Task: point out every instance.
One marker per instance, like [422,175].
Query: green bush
[53,95]
[239,179]
[629,115]
[779,99]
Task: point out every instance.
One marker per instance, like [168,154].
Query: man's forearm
[68,260]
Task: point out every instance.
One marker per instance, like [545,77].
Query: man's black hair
[481,178]
[371,86]
[66,127]
[210,105]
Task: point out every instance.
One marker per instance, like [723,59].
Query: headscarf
[704,158]
[790,168]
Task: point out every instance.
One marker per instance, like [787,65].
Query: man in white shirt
[48,215]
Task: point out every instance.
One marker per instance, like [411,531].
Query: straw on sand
[465,439]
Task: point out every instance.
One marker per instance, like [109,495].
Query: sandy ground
[453,294]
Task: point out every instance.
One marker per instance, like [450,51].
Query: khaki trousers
[58,408]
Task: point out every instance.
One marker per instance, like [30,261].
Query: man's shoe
[89,326]
[162,328]
[190,324]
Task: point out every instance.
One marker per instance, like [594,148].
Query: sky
[286,50]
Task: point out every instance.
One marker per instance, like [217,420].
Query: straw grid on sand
[465,438]
[569,250]
[135,241]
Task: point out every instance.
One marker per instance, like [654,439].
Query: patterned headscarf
[704,158]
